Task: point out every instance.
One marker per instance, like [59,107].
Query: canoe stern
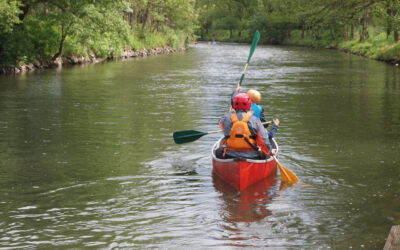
[242,173]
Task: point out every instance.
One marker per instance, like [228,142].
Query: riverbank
[72,60]
[377,47]
[44,34]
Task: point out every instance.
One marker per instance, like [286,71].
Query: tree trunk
[388,21]
[130,20]
[332,31]
[60,48]
[61,45]
[395,13]
[352,31]
[364,23]
[147,17]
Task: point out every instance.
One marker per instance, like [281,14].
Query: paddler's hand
[276,122]
[238,87]
[274,151]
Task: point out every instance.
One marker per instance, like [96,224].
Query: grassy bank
[136,44]
[108,48]
[47,33]
[378,47]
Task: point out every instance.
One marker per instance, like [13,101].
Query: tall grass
[165,37]
[378,46]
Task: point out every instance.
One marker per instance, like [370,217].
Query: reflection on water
[87,157]
[250,205]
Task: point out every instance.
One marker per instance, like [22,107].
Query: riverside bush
[46,30]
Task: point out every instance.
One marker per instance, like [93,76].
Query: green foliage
[225,20]
[39,29]
[135,41]
[367,27]
[364,48]
[390,53]
[9,11]
[154,40]
[100,31]
[378,47]
[274,28]
[41,37]
[165,37]
[297,39]
[175,38]
[35,39]
[42,30]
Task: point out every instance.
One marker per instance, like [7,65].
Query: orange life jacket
[240,133]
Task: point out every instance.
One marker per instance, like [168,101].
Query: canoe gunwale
[218,143]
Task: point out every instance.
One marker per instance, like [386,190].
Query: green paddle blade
[185,136]
[256,38]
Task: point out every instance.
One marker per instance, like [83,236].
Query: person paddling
[258,110]
[255,97]
[245,136]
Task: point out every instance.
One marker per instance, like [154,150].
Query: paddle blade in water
[256,38]
[286,174]
[185,136]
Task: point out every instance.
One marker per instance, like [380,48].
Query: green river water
[87,158]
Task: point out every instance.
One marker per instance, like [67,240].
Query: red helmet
[242,101]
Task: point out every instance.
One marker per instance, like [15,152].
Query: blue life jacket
[256,110]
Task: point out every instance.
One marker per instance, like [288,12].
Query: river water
[87,158]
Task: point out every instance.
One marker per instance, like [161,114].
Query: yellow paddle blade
[286,174]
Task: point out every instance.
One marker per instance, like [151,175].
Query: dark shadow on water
[249,205]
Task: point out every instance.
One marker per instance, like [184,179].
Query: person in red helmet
[258,110]
[245,136]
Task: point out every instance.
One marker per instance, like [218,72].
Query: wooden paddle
[185,136]
[256,38]
[286,174]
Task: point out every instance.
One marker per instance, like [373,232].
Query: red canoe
[243,173]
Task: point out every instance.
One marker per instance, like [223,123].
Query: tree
[225,15]
[389,10]
[73,16]
[9,11]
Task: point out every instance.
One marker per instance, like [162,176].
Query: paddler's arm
[262,138]
[264,135]
[225,123]
[234,93]
[274,128]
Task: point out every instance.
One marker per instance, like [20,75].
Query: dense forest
[365,27]
[40,30]
[37,30]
